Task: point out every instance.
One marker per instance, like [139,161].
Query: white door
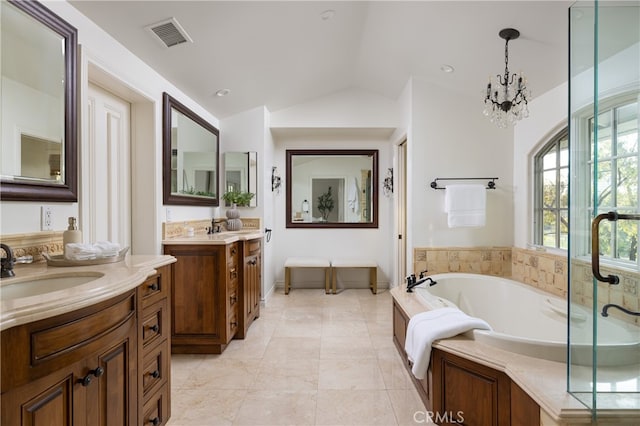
[107,169]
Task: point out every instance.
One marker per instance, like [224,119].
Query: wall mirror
[38,104]
[190,156]
[332,188]
[241,173]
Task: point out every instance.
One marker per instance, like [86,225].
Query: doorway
[401,213]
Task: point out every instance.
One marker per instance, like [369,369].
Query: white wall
[112,58]
[450,137]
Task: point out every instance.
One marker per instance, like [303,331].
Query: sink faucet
[7,262]
[412,281]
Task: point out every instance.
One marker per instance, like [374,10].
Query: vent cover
[170,33]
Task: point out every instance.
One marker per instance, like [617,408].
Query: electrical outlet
[168,215]
[46,222]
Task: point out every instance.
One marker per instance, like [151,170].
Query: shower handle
[595,243]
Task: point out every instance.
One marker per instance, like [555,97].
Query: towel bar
[490,185]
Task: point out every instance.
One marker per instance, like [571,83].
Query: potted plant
[325,204]
[235,198]
[238,198]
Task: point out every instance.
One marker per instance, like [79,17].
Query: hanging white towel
[353,196]
[465,205]
[427,327]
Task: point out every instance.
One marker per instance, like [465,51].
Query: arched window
[551,189]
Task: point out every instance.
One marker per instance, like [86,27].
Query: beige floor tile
[352,328]
[288,374]
[181,369]
[346,347]
[246,349]
[311,315]
[359,407]
[408,407]
[293,328]
[348,312]
[292,348]
[350,374]
[214,407]
[219,373]
[394,373]
[269,407]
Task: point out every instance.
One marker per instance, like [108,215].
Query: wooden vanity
[216,292]
[105,363]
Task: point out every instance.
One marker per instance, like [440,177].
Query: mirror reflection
[37,111]
[332,188]
[191,156]
[241,173]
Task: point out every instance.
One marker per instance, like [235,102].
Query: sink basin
[45,284]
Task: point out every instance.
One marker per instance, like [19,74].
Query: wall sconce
[305,206]
[275,179]
[387,183]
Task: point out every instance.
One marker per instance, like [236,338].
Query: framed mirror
[332,188]
[38,104]
[241,173]
[190,156]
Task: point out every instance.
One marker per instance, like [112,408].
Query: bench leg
[327,272]
[287,280]
[373,280]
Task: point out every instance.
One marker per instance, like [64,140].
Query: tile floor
[310,359]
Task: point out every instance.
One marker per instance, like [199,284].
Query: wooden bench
[356,263]
[306,262]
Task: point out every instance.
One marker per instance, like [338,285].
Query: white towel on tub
[427,327]
[465,205]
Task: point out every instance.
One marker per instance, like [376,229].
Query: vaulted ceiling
[280,54]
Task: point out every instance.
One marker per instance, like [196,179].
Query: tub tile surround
[478,260]
[545,271]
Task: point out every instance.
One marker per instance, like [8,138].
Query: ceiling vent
[170,33]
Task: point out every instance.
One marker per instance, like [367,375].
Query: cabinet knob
[155,374]
[155,421]
[154,328]
[233,324]
[154,286]
[253,261]
[234,251]
[233,299]
[86,380]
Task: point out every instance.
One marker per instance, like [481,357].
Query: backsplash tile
[478,260]
[34,244]
[201,226]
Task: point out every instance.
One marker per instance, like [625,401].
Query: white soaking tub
[530,322]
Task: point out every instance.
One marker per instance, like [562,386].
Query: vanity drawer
[232,276]
[252,247]
[155,369]
[232,254]
[233,322]
[154,288]
[156,410]
[155,323]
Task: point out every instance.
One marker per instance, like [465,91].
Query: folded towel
[465,205]
[81,251]
[427,327]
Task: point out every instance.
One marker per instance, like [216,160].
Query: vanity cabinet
[154,347]
[459,388]
[77,368]
[251,284]
[206,296]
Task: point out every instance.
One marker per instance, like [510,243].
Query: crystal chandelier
[507,96]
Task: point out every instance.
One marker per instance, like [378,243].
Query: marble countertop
[544,381]
[21,306]
[221,238]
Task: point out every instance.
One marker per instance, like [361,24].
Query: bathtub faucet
[412,281]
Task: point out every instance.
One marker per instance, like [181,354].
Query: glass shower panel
[604,331]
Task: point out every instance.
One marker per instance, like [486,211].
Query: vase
[234,223]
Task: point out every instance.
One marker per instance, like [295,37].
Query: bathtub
[530,322]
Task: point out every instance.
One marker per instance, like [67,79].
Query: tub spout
[606,307]
[413,282]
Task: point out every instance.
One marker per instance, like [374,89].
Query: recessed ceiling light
[446,68]
[327,14]
[223,92]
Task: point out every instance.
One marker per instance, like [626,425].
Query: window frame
[554,142]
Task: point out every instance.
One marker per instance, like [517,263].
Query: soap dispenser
[72,234]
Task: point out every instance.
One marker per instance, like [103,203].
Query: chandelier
[506,100]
